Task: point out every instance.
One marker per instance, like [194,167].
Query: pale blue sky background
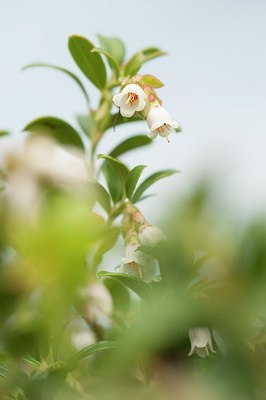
[215,82]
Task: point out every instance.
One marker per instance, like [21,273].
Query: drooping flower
[131,99]
[97,302]
[138,263]
[151,236]
[201,341]
[160,122]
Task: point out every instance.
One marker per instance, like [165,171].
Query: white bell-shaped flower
[160,122]
[151,236]
[138,263]
[201,341]
[131,99]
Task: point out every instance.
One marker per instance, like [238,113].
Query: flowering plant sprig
[70,324]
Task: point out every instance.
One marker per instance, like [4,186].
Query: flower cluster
[138,232]
[140,97]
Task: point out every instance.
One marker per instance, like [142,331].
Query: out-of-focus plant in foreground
[183,314]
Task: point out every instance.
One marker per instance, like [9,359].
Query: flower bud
[160,122]
[151,236]
[131,99]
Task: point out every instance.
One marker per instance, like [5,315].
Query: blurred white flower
[201,341]
[160,122]
[138,263]
[98,302]
[131,99]
[82,339]
[151,236]
[39,159]
[46,159]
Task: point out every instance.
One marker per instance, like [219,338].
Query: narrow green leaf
[113,46]
[120,168]
[152,52]
[138,59]
[101,195]
[134,64]
[4,133]
[152,81]
[132,180]
[133,283]
[131,143]
[86,124]
[145,197]
[150,181]
[57,128]
[92,349]
[64,70]
[111,61]
[91,64]
[202,260]
[30,360]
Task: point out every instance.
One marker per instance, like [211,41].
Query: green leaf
[145,197]
[57,128]
[134,64]
[133,283]
[138,59]
[92,349]
[202,260]
[115,186]
[120,168]
[132,180]
[86,124]
[152,52]
[115,174]
[150,181]
[120,296]
[130,144]
[32,361]
[4,133]
[111,61]
[101,195]
[64,70]
[113,46]
[91,64]
[152,81]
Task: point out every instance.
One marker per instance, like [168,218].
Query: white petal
[126,110]
[117,99]
[175,124]
[200,336]
[152,134]
[158,116]
[133,88]
[130,253]
[191,350]
[141,104]
[167,132]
